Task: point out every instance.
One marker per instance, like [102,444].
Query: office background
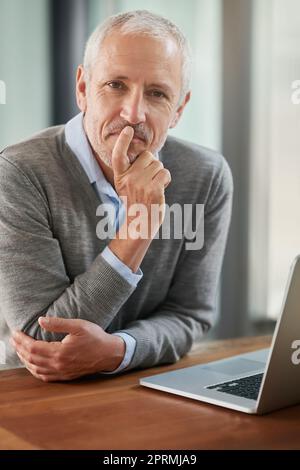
[246,59]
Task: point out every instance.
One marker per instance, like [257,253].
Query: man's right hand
[141,182]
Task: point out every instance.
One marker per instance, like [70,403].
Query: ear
[81,88]
[179,111]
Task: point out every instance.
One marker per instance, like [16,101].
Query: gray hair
[146,23]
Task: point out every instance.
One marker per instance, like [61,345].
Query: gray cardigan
[50,256]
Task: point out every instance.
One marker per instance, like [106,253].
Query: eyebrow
[121,77]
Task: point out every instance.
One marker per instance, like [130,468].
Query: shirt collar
[77,141]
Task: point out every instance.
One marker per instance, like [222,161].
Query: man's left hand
[87,349]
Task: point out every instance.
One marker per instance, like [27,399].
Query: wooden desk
[116,413]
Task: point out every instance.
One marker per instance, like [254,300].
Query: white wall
[25,68]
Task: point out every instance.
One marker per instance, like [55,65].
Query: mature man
[76,303]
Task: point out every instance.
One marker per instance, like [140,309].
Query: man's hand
[87,349]
[141,183]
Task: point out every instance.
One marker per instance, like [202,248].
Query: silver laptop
[257,382]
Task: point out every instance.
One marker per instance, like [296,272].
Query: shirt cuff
[131,277]
[130,343]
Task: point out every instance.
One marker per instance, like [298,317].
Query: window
[24,68]
[275,154]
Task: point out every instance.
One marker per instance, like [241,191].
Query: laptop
[256,382]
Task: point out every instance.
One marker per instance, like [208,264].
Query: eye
[157,94]
[115,85]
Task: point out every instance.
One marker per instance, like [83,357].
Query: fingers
[34,367]
[25,344]
[39,374]
[35,360]
[150,167]
[163,177]
[46,374]
[61,325]
[154,168]
[120,161]
[41,367]
[144,160]
[38,365]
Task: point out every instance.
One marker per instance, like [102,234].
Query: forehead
[141,55]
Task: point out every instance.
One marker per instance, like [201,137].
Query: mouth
[137,140]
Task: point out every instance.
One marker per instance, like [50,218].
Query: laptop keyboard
[246,387]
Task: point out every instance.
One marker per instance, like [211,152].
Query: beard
[112,132]
[103,150]
[133,153]
[106,155]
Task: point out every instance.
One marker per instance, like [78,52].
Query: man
[76,303]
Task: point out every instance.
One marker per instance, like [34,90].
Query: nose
[133,108]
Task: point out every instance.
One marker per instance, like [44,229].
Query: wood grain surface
[107,412]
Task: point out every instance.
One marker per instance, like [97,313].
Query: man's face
[135,82]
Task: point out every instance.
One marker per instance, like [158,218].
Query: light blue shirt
[79,144]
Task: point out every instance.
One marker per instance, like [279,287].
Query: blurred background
[246,63]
